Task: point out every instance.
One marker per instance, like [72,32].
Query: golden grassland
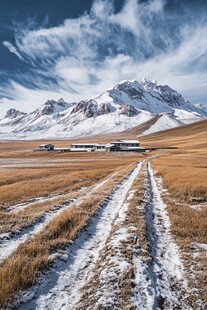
[19,184]
[59,181]
[184,169]
[50,173]
[189,227]
[184,173]
[21,269]
[13,221]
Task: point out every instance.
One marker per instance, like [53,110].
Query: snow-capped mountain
[201,106]
[126,105]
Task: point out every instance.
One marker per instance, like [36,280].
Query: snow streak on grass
[166,272]
[63,290]
[7,247]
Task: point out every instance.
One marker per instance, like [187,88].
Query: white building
[118,145]
[82,147]
[125,145]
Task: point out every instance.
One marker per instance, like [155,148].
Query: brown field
[184,169]
[20,270]
[26,175]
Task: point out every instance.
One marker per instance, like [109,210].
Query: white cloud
[12,49]
[102,9]
[129,17]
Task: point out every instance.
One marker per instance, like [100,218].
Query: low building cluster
[114,146]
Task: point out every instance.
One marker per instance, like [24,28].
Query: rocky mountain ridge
[126,105]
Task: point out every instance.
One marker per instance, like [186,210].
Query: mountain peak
[125,106]
[148,84]
[200,106]
[52,106]
[128,83]
[13,113]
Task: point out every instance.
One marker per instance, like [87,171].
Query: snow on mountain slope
[126,105]
[163,123]
[200,106]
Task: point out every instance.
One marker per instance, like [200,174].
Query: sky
[76,49]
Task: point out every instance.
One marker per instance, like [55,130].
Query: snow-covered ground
[166,280]
[62,289]
[163,123]
[29,203]
[9,243]
[159,281]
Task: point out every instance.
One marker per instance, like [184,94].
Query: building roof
[84,144]
[126,141]
[109,145]
[44,145]
[88,144]
[100,144]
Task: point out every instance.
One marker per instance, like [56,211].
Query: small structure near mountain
[119,145]
[45,147]
[87,147]
[115,146]
[82,147]
[100,147]
[125,145]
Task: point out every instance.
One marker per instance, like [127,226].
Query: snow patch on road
[167,285]
[114,264]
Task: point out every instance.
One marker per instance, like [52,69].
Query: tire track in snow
[62,287]
[101,290]
[8,246]
[162,283]
[26,204]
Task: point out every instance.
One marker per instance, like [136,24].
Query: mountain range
[123,107]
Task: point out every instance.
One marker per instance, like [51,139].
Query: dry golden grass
[184,173]
[189,138]
[188,224]
[22,268]
[189,227]
[13,221]
[59,173]
[19,185]
[184,169]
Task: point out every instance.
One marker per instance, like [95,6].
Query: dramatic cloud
[85,56]
[12,49]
